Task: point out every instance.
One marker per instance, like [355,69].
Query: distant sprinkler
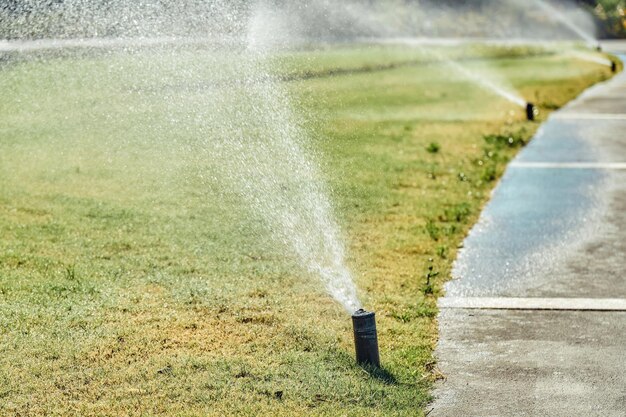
[613,66]
[365,338]
[531,111]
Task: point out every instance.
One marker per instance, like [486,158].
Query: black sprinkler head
[365,338]
[531,111]
[613,66]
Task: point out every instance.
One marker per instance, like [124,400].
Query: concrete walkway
[534,323]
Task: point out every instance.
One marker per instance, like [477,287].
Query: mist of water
[556,14]
[308,20]
[97,43]
[280,177]
[260,152]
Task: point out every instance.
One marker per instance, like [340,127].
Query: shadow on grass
[380,374]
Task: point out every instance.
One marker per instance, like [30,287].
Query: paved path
[535,322]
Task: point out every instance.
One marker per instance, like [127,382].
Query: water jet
[569,23]
[365,338]
[531,111]
[481,80]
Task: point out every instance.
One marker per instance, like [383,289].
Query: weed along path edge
[534,321]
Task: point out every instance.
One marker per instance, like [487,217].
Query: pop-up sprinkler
[613,66]
[531,111]
[365,338]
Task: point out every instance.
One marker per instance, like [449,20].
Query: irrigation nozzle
[365,338]
[613,66]
[531,111]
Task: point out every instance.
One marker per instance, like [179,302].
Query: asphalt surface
[514,339]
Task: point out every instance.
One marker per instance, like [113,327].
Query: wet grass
[132,285]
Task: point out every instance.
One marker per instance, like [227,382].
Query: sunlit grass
[130,284]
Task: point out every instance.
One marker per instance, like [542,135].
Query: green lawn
[133,282]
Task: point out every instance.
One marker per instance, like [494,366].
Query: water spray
[531,111]
[365,338]
[591,57]
[479,79]
[561,17]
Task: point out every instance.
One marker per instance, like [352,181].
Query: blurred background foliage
[610,15]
